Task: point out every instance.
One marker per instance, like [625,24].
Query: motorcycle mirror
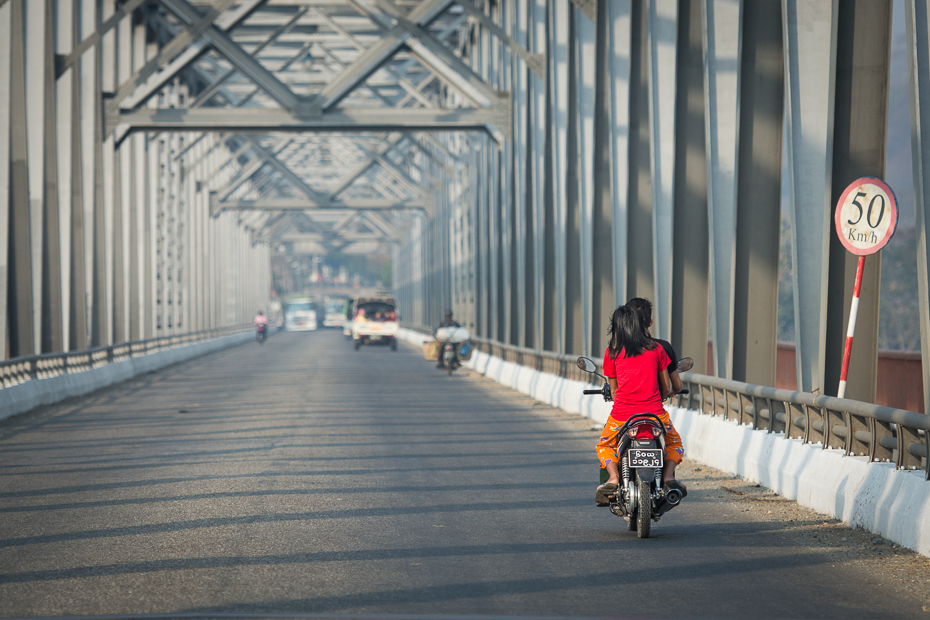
[586,364]
[685,364]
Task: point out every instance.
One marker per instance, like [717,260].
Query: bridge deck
[303,477]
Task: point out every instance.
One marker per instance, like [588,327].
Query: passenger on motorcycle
[637,368]
[644,308]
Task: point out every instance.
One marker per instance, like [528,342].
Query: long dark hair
[628,333]
[644,308]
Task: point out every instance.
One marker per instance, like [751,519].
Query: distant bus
[300,315]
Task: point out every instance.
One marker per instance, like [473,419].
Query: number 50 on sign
[866,216]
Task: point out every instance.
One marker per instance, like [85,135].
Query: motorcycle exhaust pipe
[673,497]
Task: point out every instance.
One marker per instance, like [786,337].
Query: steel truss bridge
[531,163]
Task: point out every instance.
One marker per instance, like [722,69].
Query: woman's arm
[665,388]
[614,386]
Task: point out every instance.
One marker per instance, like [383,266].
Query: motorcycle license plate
[640,457]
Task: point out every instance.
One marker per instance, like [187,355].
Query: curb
[38,392]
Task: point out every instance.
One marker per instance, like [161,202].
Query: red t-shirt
[637,382]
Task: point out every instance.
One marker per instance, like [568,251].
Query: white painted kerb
[874,496]
[26,396]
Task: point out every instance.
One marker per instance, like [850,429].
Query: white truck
[375,322]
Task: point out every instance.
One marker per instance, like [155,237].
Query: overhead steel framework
[532,163]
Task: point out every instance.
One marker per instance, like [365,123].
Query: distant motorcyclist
[447,321]
[261,326]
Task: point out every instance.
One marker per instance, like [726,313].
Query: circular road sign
[866,216]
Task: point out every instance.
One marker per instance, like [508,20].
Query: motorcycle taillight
[643,431]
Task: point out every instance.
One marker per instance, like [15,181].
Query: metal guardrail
[880,433]
[20,370]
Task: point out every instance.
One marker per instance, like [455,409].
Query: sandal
[604,493]
[677,486]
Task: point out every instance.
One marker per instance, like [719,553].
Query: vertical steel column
[52,336]
[863,60]
[498,257]
[96,191]
[112,193]
[78,306]
[810,62]
[640,275]
[522,174]
[66,121]
[6,83]
[690,260]
[603,294]
[587,65]
[620,13]
[918,64]
[560,72]
[35,49]
[575,308]
[509,186]
[136,207]
[758,220]
[661,24]
[20,288]
[150,232]
[541,204]
[723,26]
[123,214]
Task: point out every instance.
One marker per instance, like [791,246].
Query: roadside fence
[19,370]
[859,429]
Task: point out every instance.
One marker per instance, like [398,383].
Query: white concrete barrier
[874,496]
[31,394]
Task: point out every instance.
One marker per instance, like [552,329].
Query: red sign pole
[853,313]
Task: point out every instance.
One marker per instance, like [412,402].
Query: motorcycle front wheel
[644,512]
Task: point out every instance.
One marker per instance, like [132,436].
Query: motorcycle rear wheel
[644,512]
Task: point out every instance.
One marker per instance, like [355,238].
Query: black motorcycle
[641,497]
[261,334]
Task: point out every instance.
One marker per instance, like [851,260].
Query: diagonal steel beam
[64,62]
[234,53]
[212,89]
[434,55]
[414,91]
[536,62]
[371,59]
[179,53]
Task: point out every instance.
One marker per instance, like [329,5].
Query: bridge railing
[859,429]
[47,365]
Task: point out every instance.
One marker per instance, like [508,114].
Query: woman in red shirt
[636,367]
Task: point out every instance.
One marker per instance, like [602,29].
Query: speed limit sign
[865,219]
[866,216]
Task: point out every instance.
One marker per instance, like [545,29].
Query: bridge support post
[918,25]
[758,217]
[810,34]
[690,279]
[863,58]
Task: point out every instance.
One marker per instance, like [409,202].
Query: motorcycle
[261,333]
[641,497]
[454,341]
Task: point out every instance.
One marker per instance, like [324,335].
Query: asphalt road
[301,477]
